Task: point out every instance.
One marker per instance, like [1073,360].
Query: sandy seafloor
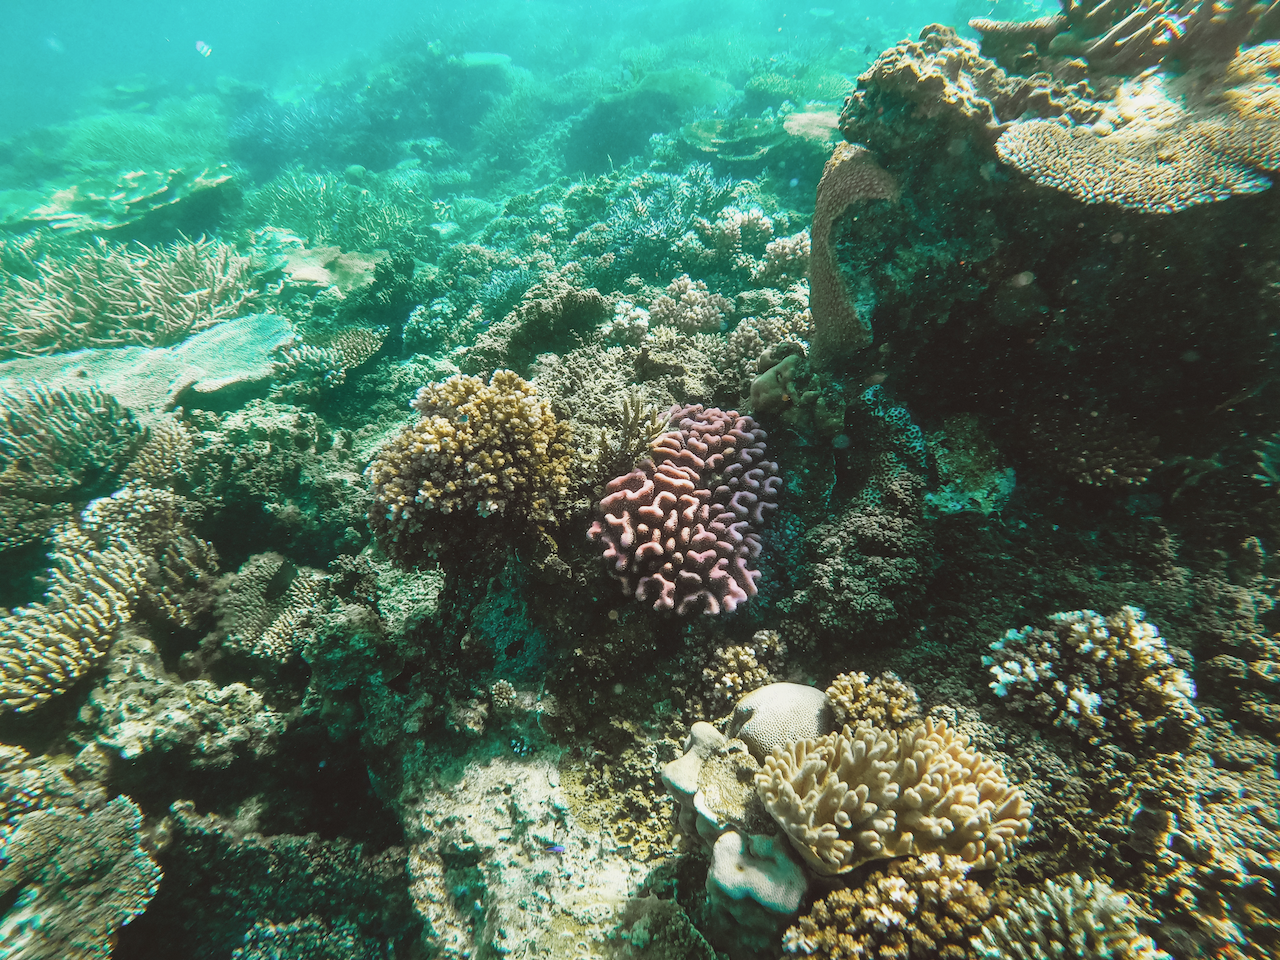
[645,481]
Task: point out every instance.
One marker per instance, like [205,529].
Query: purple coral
[682,527]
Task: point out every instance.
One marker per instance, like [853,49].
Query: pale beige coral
[690,306]
[110,294]
[168,454]
[785,258]
[883,702]
[917,907]
[865,794]
[740,668]
[270,608]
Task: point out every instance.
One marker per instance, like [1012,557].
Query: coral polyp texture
[866,794]
[681,530]
[1101,678]
[917,907]
[1076,918]
[480,450]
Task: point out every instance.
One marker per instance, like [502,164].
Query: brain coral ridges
[681,529]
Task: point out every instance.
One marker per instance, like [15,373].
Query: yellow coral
[883,702]
[865,794]
[479,449]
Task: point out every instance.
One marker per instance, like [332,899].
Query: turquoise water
[727,480]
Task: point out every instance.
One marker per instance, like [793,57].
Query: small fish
[203,48]
[555,848]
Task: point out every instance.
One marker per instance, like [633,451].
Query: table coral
[480,449]
[1100,678]
[859,795]
[681,529]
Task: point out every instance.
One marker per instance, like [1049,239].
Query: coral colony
[684,496]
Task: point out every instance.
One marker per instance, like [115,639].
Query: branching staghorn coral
[1077,918]
[480,449]
[1100,678]
[110,294]
[866,794]
[919,907]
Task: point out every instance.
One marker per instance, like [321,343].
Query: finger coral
[109,294]
[681,529]
[918,907]
[866,794]
[480,449]
[1101,678]
[1075,918]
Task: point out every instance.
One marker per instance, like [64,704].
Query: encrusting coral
[480,449]
[918,907]
[865,794]
[1101,678]
[681,528]
[1075,918]
[110,294]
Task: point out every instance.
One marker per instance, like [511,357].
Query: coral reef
[1075,918]
[46,646]
[480,449]
[1101,678]
[916,907]
[111,293]
[846,798]
[675,540]
[884,702]
[271,607]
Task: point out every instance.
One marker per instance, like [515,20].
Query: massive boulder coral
[866,794]
[1101,678]
[480,449]
[681,529]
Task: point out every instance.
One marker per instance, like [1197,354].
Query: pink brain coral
[682,527]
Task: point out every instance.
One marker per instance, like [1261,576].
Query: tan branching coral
[884,702]
[690,306]
[177,566]
[851,176]
[739,668]
[480,449]
[865,794]
[58,446]
[1098,449]
[1077,918]
[81,874]
[785,258]
[167,455]
[110,294]
[920,907]
[1101,678]
[45,647]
